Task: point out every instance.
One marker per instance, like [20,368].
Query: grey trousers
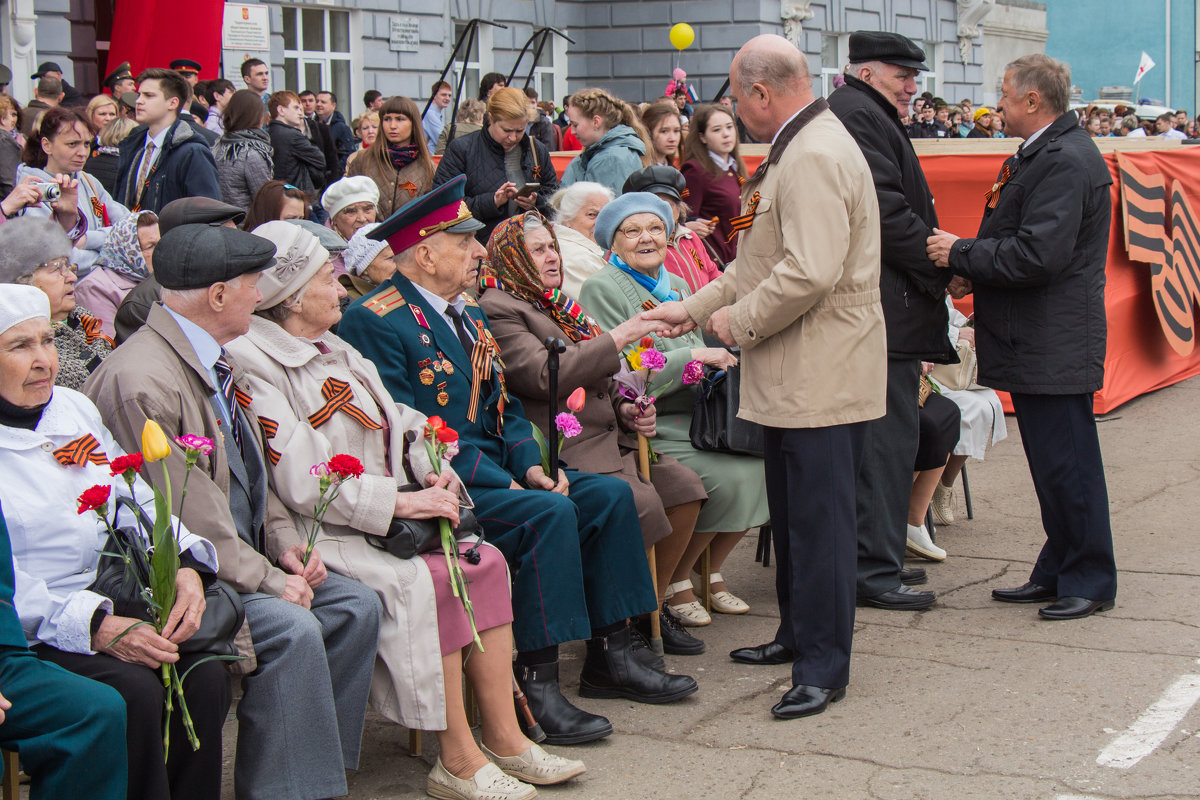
[301,717]
[885,482]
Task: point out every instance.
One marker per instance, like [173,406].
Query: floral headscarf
[512,270]
[122,252]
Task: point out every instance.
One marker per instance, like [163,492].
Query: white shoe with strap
[725,601]
[691,615]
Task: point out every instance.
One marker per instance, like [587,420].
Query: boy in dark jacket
[163,159]
[297,160]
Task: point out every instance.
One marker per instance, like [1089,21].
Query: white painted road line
[1154,726]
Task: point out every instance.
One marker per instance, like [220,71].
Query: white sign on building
[245,33]
[405,34]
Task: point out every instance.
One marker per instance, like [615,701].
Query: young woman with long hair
[398,161]
[714,171]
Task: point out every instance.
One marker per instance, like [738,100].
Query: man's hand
[938,247]
[959,287]
[967,335]
[298,592]
[673,313]
[536,479]
[643,423]
[292,560]
[184,619]
[717,357]
[142,645]
[718,326]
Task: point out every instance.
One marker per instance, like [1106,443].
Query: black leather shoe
[562,722]
[1028,593]
[804,701]
[901,598]
[764,654]
[640,642]
[913,576]
[1074,608]
[677,641]
[612,670]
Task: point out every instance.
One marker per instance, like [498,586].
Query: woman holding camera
[499,161]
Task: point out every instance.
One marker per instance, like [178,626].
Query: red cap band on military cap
[435,222]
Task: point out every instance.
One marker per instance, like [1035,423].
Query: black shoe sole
[577,738]
[1024,600]
[833,698]
[678,651]
[867,602]
[763,663]
[1056,618]
[618,692]
[918,581]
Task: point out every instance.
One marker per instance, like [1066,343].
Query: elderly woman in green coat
[635,228]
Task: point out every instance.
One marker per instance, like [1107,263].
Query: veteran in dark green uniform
[575,549]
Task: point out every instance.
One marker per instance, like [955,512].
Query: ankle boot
[641,645]
[612,670]
[562,722]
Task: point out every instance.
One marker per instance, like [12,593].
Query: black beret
[890,48]
[657,179]
[197,256]
[197,211]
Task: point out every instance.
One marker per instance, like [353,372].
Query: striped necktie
[225,384]
[144,170]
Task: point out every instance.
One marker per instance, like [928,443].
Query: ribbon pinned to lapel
[485,358]
[743,221]
[82,451]
[269,428]
[338,395]
[992,195]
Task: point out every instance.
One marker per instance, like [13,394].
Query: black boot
[676,639]
[562,722]
[612,670]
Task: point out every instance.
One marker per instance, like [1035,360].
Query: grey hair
[279,312]
[569,201]
[532,220]
[1047,76]
[182,299]
[778,68]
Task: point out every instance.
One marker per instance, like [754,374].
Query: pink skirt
[487,586]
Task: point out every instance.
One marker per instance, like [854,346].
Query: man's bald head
[772,61]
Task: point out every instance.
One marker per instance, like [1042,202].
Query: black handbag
[407,538]
[223,610]
[715,423]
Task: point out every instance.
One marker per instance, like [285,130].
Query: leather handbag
[223,610]
[715,423]
[407,538]
[961,376]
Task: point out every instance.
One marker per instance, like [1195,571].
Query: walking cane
[656,644]
[532,729]
[553,348]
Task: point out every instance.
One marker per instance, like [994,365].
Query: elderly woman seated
[54,447]
[368,263]
[576,208]
[126,259]
[520,294]
[35,251]
[351,204]
[636,228]
[316,397]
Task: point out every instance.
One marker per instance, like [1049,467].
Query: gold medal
[437,366]
[447,367]
[443,398]
[426,376]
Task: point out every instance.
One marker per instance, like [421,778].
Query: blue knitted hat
[624,207]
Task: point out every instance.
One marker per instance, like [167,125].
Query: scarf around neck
[13,416]
[122,252]
[401,155]
[661,289]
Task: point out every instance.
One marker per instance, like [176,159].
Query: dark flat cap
[129,100]
[657,179]
[197,211]
[5,75]
[120,73]
[43,68]
[890,48]
[197,256]
[185,65]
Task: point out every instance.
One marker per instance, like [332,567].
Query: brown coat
[803,293]
[603,447]
[392,187]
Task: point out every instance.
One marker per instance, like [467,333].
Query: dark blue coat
[185,169]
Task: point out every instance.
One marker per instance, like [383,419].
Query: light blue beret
[624,207]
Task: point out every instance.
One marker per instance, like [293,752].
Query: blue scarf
[661,289]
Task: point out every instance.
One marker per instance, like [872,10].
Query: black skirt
[939,422]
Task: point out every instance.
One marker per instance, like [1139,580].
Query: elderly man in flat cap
[880,82]
[314,633]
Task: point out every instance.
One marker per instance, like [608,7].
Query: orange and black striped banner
[269,428]
[81,452]
[338,395]
[743,221]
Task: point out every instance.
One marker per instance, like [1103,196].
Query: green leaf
[543,446]
[164,561]
[125,633]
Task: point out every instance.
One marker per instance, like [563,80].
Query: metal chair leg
[967,494]
[705,572]
[763,553]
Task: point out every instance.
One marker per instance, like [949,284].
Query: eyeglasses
[633,234]
[61,267]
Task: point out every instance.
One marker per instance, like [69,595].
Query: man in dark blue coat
[164,158]
[574,548]
[1037,270]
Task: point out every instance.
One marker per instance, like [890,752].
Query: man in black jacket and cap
[880,82]
[1037,270]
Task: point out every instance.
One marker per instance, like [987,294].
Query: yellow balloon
[682,36]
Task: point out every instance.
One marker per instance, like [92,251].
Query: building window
[835,49]
[476,68]
[928,81]
[316,51]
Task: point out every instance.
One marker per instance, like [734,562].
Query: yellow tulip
[155,446]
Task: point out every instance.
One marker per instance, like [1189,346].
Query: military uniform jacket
[423,366]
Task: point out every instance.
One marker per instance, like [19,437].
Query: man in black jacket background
[880,81]
[1037,270]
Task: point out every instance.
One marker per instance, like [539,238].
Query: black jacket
[912,289]
[185,169]
[343,139]
[297,160]
[318,133]
[1038,268]
[481,159]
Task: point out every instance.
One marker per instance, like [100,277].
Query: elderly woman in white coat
[575,210]
[54,447]
[316,397]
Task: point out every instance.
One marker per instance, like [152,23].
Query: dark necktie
[225,384]
[460,328]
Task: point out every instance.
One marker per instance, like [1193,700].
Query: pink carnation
[568,425]
[693,373]
[320,470]
[190,441]
[653,360]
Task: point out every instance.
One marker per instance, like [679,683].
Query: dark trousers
[69,731]
[885,481]
[810,490]
[1063,450]
[577,562]
[186,773]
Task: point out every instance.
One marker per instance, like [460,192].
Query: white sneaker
[942,504]
[489,783]
[537,766]
[919,544]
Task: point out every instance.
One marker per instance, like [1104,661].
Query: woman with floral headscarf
[521,296]
[125,261]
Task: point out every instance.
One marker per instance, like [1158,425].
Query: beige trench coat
[285,376]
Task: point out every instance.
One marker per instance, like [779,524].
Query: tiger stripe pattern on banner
[81,452]
[1174,256]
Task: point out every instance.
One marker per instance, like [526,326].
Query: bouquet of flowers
[640,366]
[332,474]
[567,424]
[156,556]
[441,442]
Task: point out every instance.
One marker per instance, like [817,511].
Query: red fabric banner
[153,33]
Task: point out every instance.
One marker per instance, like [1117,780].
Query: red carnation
[345,467]
[447,435]
[435,423]
[94,499]
[122,465]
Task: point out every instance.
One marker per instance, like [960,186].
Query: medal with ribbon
[992,195]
